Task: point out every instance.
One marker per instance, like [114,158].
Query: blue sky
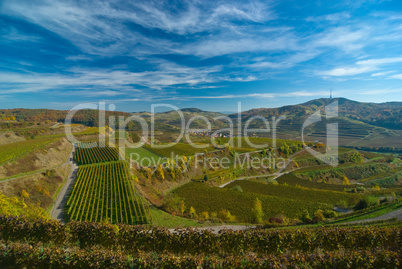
[204,54]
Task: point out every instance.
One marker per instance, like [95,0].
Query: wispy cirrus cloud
[382,73]
[265,95]
[362,67]
[397,76]
[380,91]
[172,50]
[102,27]
[342,37]
[333,17]
[167,75]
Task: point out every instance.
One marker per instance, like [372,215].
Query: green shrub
[237,188]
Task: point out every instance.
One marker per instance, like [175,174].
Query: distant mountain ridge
[387,115]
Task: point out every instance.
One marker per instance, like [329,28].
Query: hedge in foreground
[132,239]
[19,255]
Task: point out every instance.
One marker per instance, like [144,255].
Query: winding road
[394,214]
[58,207]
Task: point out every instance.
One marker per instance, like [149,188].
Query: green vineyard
[104,192]
[89,153]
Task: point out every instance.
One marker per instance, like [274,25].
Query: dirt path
[58,207]
[394,214]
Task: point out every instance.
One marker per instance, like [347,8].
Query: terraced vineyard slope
[104,192]
[89,153]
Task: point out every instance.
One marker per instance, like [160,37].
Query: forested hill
[87,117]
[388,115]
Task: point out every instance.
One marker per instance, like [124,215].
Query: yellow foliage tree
[376,187]
[24,194]
[160,172]
[205,215]
[15,207]
[172,174]
[346,181]
[225,214]
[319,145]
[148,172]
[257,211]
[192,212]
[182,207]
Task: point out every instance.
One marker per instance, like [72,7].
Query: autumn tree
[257,211]
[192,212]
[205,215]
[305,216]
[134,178]
[318,216]
[319,145]
[24,194]
[225,214]
[182,207]
[160,172]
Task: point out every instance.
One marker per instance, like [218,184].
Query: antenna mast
[330,93]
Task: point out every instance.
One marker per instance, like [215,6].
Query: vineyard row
[89,153]
[104,192]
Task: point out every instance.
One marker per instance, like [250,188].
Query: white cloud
[398,76]
[379,91]
[198,28]
[12,35]
[113,82]
[95,93]
[343,38]
[102,27]
[362,67]
[380,74]
[334,17]
[240,79]
[265,95]
[347,71]
[229,45]
[375,62]
[288,62]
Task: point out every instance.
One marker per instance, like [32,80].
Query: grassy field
[394,178]
[46,157]
[351,171]
[180,149]
[243,142]
[296,193]
[162,219]
[143,156]
[203,197]
[12,151]
[293,180]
